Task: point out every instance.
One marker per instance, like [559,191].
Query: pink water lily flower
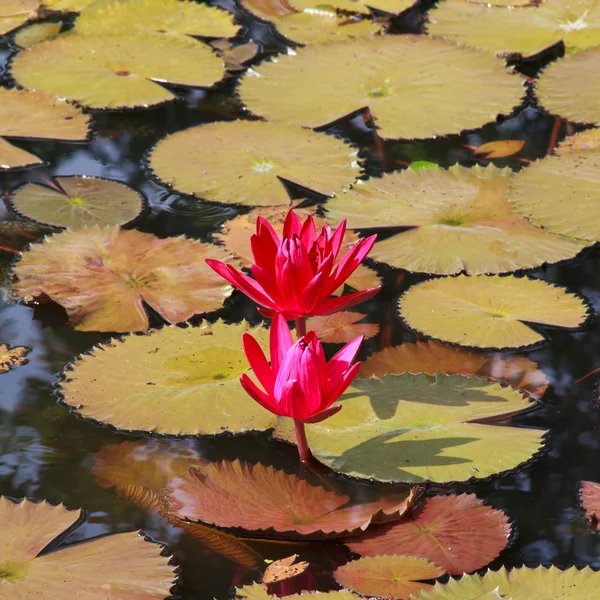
[295,275]
[299,383]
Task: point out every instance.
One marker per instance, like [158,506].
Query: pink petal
[292,224]
[280,341]
[325,414]
[258,362]
[341,362]
[309,380]
[335,243]
[314,293]
[257,394]
[262,255]
[308,233]
[267,235]
[344,302]
[343,384]
[352,259]
[292,402]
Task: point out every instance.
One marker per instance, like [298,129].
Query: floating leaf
[489,312]
[243,162]
[35,115]
[321,83]
[458,220]
[459,533]
[355,6]
[541,583]
[413,428]
[173,381]
[86,201]
[123,565]
[67,5]
[570,86]
[258,591]
[391,576]
[14,13]
[499,148]
[584,140]
[430,357]
[268,10]
[102,276]
[341,327]
[284,568]
[36,33]
[235,56]
[501,30]
[547,191]
[267,501]
[116,71]
[12,357]
[590,500]
[160,16]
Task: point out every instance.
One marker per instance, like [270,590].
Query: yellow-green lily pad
[85,201]
[36,33]
[355,6]
[415,428]
[116,71]
[14,13]
[324,82]
[490,312]
[179,381]
[243,162]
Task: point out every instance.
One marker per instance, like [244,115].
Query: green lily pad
[541,583]
[67,5]
[414,428]
[36,33]
[455,220]
[86,201]
[160,16]
[243,162]
[179,381]
[321,83]
[116,71]
[489,312]
[14,13]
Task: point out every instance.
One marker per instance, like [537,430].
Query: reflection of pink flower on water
[295,275]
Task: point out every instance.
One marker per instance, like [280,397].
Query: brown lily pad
[341,327]
[12,357]
[102,276]
[459,533]
[271,502]
[284,568]
[590,500]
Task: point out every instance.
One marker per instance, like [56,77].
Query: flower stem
[302,442]
[301,327]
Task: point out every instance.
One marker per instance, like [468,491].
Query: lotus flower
[295,275]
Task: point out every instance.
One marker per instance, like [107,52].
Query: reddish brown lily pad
[284,568]
[12,357]
[590,500]
[459,533]
[103,276]
[269,502]
[341,327]
[392,576]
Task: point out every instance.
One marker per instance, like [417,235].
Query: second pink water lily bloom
[299,383]
[295,275]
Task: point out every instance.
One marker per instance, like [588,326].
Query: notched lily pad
[414,428]
[390,576]
[455,220]
[11,357]
[269,502]
[459,533]
[355,6]
[321,83]
[35,115]
[103,276]
[85,201]
[124,563]
[490,312]
[243,162]
[14,13]
[258,591]
[584,140]
[116,71]
[36,33]
[178,381]
[341,327]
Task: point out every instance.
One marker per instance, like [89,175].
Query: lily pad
[541,583]
[590,500]
[320,84]
[459,533]
[547,191]
[14,13]
[103,276]
[584,140]
[258,591]
[502,30]
[391,576]
[160,16]
[86,201]
[36,33]
[341,327]
[430,357]
[116,71]
[243,162]
[123,563]
[36,115]
[284,568]
[67,5]
[12,357]
[490,312]
[355,6]
[555,86]
[179,381]
[458,220]
[270,502]
[414,428]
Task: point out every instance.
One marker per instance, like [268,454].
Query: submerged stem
[302,442]
[301,327]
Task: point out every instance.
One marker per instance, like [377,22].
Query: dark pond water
[47,453]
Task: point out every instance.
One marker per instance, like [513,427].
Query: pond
[60,443]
